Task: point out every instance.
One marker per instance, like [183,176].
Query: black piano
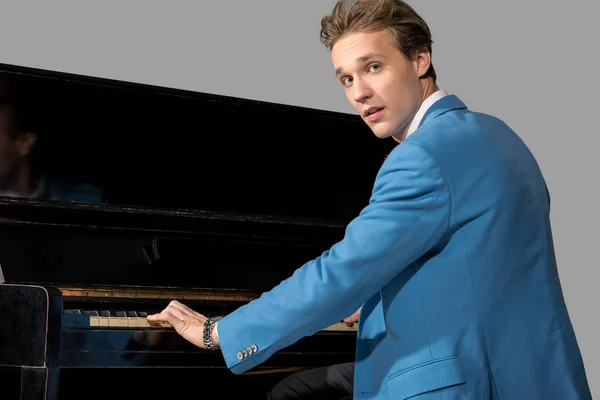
[117,197]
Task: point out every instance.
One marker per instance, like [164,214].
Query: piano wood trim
[156,292]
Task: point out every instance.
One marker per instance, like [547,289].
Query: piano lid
[108,182]
[110,142]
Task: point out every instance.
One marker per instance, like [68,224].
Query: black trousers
[334,382]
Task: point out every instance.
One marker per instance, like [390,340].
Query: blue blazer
[454,263]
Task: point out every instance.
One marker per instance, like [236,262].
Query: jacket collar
[442,106]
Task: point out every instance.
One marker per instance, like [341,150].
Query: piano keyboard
[138,319]
[132,319]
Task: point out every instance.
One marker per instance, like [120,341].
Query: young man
[452,259]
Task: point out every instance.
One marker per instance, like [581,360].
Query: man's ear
[26,142]
[422,59]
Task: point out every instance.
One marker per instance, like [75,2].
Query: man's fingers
[185,311]
[167,316]
[175,308]
[353,318]
[178,308]
[178,316]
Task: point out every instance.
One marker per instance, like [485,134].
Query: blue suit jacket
[454,263]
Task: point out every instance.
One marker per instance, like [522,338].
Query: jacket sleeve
[408,212]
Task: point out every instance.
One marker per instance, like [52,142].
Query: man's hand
[353,318]
[187,322]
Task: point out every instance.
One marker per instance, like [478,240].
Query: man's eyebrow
[361,60]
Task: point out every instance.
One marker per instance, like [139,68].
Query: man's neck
[429,88]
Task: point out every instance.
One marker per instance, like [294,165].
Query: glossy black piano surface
[139,195]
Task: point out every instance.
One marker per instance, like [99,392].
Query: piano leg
[39,383]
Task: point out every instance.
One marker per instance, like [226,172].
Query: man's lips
[373,113]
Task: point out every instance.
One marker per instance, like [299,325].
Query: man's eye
[374,67]
[347,80]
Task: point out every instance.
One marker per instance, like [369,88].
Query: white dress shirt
[422,110]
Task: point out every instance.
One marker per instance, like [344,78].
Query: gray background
[533,63]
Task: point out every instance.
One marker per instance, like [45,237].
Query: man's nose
[362,92]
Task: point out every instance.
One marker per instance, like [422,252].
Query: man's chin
[381,133]
[380,129]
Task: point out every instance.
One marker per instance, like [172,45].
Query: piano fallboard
[119,347]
